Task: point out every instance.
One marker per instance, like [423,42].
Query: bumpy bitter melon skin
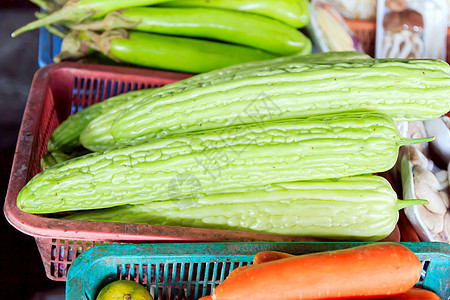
[408,90]
[360,207]
[232,158]
[97,135]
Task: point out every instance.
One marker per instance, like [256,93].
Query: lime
[124,290]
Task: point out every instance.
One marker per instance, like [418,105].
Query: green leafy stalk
[76,11]
[42,4]
[55,31]
[405,141]
[49,5]
[405,203]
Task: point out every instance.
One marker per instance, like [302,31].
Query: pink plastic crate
[57,91]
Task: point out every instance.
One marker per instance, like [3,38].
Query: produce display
[190,36]
[245,159]
[266,139]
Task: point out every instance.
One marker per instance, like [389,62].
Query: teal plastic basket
[191,270]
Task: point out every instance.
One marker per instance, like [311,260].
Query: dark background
[22,274]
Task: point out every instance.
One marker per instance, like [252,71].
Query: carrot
[261,257]
[238,270]
[413,294]
[206,298]
[266,256]
[369,270]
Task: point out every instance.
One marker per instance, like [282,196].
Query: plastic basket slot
[207,283]
[119,272]
[214,279]
[69,253]
[221,272]
[52,268]
[77,85]
[199,284]
[189,279]
[423,274]
[127,274]
[156,273]
[61,270]
[53,252]
[135,274]
[57,270]
[165,279]
[144,274]
[177,284]
[61,253]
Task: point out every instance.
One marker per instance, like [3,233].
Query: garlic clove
[445,198]
[434,222]
[442,177]
[423,176]
[426,186]
[417,158]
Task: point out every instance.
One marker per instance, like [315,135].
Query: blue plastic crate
[49,47]
[190,270]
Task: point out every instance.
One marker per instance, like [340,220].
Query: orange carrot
[371,270]
[261,257]
[266,256]
[238,270]
[413,294]
[206,298]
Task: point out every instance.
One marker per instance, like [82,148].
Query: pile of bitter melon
[284,146]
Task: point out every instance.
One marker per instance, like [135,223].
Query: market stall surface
[23,275]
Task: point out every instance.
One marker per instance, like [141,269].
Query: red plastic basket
[57,91]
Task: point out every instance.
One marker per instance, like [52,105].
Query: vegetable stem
[67,13]
[111,21]
[407,141]
[405,203]
[53,30]
[41,3]
[76,11]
